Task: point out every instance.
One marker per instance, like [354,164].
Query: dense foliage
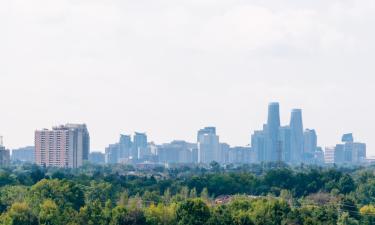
[256,194]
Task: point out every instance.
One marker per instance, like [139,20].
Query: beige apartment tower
[66,146]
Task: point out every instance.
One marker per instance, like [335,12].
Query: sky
[170,67]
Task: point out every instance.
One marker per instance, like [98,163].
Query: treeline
[123,195]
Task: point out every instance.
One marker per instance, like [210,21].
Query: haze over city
[125,66]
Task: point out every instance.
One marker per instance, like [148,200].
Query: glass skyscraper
[272,132]
[296,128]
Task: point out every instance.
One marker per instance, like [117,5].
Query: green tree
[19,214]
[49,213]
[92,214]
[161,214]
[192,212]
[345,219]
[63,193]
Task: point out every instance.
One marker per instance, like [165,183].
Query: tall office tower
[112,154]
[63,146]
[310,141]
[208,146]
[126,145]
[285,144]
[296,128]
[82,136]
[340,154]
[310,144]
[359,152]
[139,146]
[4,154]
[26,154]
[224,149]
[258,146]
[206,130]
[272,132]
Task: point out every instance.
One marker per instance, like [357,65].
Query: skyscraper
[310,145]
[112,154]
[63,146]
[139,146]
[285,143]
[208,145]
[258,140]
[272,132]
[125,146]
[296,127]
[82,137]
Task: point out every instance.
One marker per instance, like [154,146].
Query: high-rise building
[126,145]
[206,130]
[296,128]
[208,146]
[319,156]
[285,144]
[26,154]
[310,144]
[310,141]
[63,146]
[175,152]
[82,138]
[258,146]
[240,155]
[139,146]
[112,154]
[224,149]
[329,155]
[272,132]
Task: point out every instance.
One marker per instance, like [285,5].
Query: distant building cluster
[68,146]
[348,152]
[290,144]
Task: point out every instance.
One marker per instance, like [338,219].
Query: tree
[119,216]
[49,213]
[63,193]
[92,214]
[345,219]
[204,194]
[161,214]
[19,214]
[192,212]
[221,215]
[368,214]
[346,184]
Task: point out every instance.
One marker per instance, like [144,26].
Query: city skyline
[122,66]
[273,115]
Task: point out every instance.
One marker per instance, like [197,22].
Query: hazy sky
[170,67]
